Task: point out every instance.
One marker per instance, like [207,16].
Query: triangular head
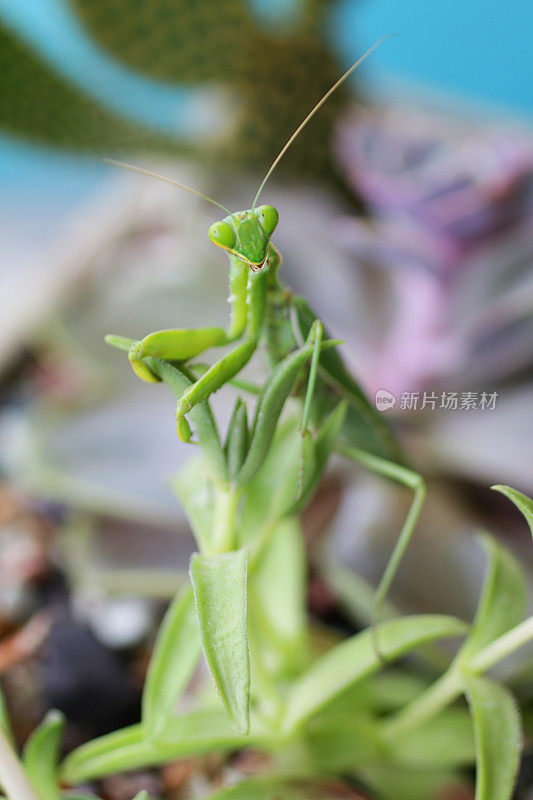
[246,234]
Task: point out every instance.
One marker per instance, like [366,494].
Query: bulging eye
[222,234]
[268,218]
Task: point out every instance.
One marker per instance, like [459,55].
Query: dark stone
[90,684]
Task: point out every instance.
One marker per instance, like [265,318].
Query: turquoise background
[474,49]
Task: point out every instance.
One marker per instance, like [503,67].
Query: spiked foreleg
[230,364]
[216,376]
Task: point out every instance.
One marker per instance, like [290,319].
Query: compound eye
[222,234]
[268,218]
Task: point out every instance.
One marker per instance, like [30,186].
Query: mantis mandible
[262,308]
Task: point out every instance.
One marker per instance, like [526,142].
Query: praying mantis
[264,310]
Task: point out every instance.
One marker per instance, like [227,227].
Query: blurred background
[406,218]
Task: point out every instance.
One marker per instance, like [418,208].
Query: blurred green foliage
[39,105]
[276,75]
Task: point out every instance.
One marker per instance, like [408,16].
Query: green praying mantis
[264,310]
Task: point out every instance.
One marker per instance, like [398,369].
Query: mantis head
[246,234]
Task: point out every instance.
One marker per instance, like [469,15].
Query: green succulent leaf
[343,744]
[267,498]
[300,460]
[356,596]
[41,755]
[274,787]
[5,724]
[382,692]
[363,426]
[191,734]
[322,447]
[174,658]
[236,444]
[445,741]
[220,592]
[498,737]
[356,658]
[196,493]
[270,404]
[397,782]
[394,688]
[521,501]
[298,491]
[502,602]
[280,614]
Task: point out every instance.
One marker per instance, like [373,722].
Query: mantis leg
[230,364]
[132,349]
[216,376]
[413,481]
[181,344]
[238,383]
[178,344]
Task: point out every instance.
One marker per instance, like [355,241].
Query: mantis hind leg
[216,376]
[413,481]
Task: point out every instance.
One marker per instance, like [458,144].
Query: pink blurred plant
[452,207]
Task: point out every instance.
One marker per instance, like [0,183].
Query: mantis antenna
[142,171]
[313,111]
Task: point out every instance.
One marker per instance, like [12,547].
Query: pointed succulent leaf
[196,493]
[176,653]
[323,445]
[189,734]
[274,787]
[498,737]
[220,592]
[5,723]
[356,658]
[364,426]
[521,501]
[502,602]
[277,595]
[236,444]
[270,404]
[41,755]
